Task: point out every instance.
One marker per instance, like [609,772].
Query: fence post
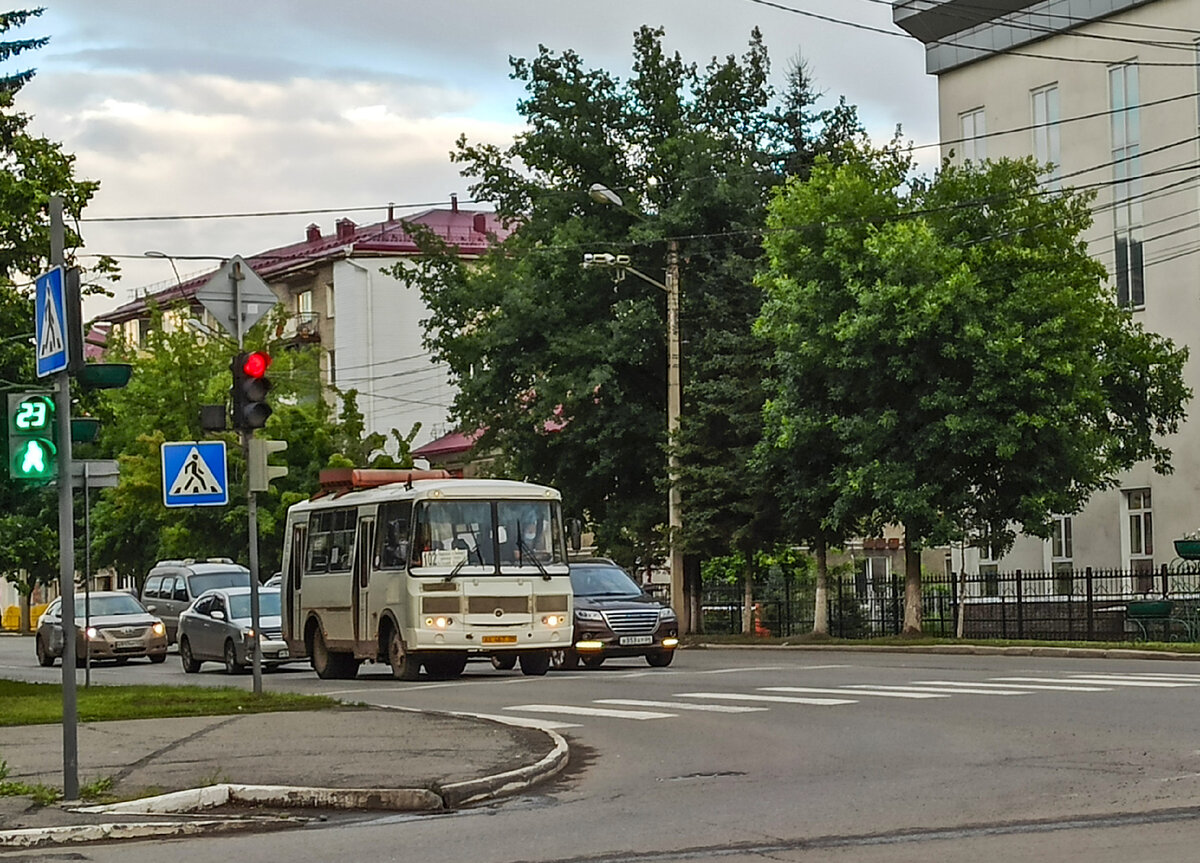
[1165,582]
[1090,608]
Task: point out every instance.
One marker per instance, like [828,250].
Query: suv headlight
[588,614]
[667,614]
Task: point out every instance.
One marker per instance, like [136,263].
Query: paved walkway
[357,758]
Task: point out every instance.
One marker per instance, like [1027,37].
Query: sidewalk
[347,758]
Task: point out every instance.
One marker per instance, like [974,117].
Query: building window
[973,130]
[1128,266]
[1045,133]
[1061,561]
[1141,539]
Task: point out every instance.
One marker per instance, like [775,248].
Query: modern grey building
[1106,91]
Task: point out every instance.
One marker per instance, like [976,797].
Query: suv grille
[636,622]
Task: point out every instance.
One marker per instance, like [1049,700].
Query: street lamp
[154,253]
[601,194]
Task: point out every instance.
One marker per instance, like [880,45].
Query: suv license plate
[630,640]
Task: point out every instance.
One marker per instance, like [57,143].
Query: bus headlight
[554,620]
[438,622]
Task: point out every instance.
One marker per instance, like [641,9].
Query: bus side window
[318,542]
[341,539]
[392,541]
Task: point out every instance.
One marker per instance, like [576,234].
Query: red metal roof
[471,231]
[448,444]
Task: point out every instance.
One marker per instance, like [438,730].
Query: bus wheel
[322,660]
[535,664]
[504,661]
[405,665]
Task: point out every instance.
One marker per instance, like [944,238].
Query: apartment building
[1107,91]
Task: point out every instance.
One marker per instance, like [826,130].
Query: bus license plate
[499,639]
[630,640]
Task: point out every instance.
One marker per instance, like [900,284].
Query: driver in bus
[523,538]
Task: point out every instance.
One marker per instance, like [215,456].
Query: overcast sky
[218,107]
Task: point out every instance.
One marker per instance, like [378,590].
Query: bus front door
[363,561]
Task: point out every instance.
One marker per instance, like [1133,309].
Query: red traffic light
[256,363]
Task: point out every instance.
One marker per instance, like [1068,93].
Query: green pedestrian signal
[32,454]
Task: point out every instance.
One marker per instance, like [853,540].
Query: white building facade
[1108,91]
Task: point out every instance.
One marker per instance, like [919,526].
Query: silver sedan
[217,627]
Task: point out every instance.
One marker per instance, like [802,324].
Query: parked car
[216,627]
[173,585]
[116,626]
[615,617]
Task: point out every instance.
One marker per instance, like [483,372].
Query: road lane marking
[1177,678]
[579,710]
[1101,680]
[857,686]
[778,699]
[676,705]
[524,721]
[1037,686]
[812,690]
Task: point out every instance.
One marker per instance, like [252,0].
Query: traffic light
[250,388]
[259,471]
[32,454]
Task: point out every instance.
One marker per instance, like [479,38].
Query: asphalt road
[786,755]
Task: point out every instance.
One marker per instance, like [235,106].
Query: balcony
[303,328]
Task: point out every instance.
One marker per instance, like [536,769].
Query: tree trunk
[747,603]
[912,586]
[821,607]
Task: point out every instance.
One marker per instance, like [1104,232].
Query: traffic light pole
[236,276]
[66,536]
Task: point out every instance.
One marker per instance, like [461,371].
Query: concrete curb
[966,649]
[46,836]
[457,794]
[287,796]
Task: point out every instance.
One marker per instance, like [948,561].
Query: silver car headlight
[158,628]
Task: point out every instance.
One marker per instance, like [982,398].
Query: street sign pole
[66,531]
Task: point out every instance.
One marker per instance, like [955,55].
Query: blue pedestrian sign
[194,473]
[49,319]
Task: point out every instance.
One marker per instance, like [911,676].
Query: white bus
[415,568]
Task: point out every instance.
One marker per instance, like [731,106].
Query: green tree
[176,373]
[565,369]
[32,170]
[977,372]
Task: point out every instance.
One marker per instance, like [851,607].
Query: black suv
[615,617]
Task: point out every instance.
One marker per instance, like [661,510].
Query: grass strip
[41,703]
[929,641]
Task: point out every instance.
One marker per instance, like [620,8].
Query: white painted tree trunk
[821,607]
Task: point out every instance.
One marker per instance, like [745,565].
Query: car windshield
[223,578]
[602,581]
[268,605]
[102,606]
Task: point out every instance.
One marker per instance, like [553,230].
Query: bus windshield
[481,533]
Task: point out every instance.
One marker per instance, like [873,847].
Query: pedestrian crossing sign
[194,473]
[50,334]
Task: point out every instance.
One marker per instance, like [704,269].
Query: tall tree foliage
[177,371]
[32,169]
[565,369]
[972,365]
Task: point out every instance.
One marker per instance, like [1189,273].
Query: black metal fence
[1063,605]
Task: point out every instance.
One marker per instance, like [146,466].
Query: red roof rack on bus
[339,480]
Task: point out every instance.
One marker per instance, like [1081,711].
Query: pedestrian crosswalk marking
[51,342]
[812,690]
[855,687]
[1036,686]
[575,710]
[675,705]
[524,721]
[778,699]
[194,477]
[1101,680]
